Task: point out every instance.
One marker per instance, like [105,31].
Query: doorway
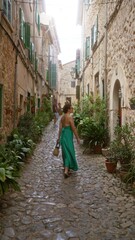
[117,110]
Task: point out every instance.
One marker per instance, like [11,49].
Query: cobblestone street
[89,205]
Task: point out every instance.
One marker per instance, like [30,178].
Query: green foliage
[46,107]
[92,120]
[122,147]
[9,165]
[20,144]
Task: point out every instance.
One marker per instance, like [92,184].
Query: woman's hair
[66,107]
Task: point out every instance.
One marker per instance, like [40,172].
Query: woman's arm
[74,130]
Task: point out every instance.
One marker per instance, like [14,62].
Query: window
[88,89]
[32,53]
[97,79]
[97,83]
[27,35]
[78,92]
[7,9]
[103,88]
[38,102]
[87,48]
[21,101]
[30,4]
[94,33]
[28,102]
[47,75]
[1,88]
[53,75]
[37,16]
[73,84]
[77,62]
[24,29]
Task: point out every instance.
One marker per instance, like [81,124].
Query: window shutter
[7,9]
[78,92]
[47,75]
[38,23]
[38,102]
[21,22]
[77,66]
[36,11]
[87,47]
[0,105]
[53,75]
[27,35]
[36,63]
[33,54]
[92,36]
[30,52]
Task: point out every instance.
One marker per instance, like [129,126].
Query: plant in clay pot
[122,148]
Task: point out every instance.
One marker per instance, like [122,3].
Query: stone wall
[65,84]
[117,49]
[121,55]
[7,77]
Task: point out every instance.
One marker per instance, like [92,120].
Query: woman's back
[65,120]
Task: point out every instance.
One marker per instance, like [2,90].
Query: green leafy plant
[92,124]
[132,100]
[122,148]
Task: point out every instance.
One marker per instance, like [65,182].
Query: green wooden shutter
[27,35]
[47,75]
[28,102]
[53,75]
[87,47]
[0,105]
[33,54]
[78,92]
[78,66]
[92,36]
[36,62]
[21,22]
[38,102]
[38,24]
[30,52]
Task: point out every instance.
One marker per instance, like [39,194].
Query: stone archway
[118,99]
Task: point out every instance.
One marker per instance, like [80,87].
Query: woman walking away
[65,136]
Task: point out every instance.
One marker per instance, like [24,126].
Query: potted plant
[132,103]
[111,164]
[122,148]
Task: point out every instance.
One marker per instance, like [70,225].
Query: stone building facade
[23,66]
[108,55]
[67,87]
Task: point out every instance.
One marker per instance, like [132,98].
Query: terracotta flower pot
[97,149]
[110,166]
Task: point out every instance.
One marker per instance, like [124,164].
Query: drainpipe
[105,70]
[15,90]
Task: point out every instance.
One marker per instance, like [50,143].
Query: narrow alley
[89,205]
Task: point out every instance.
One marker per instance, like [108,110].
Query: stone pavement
[89,205]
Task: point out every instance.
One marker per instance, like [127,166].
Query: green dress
[67,146]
